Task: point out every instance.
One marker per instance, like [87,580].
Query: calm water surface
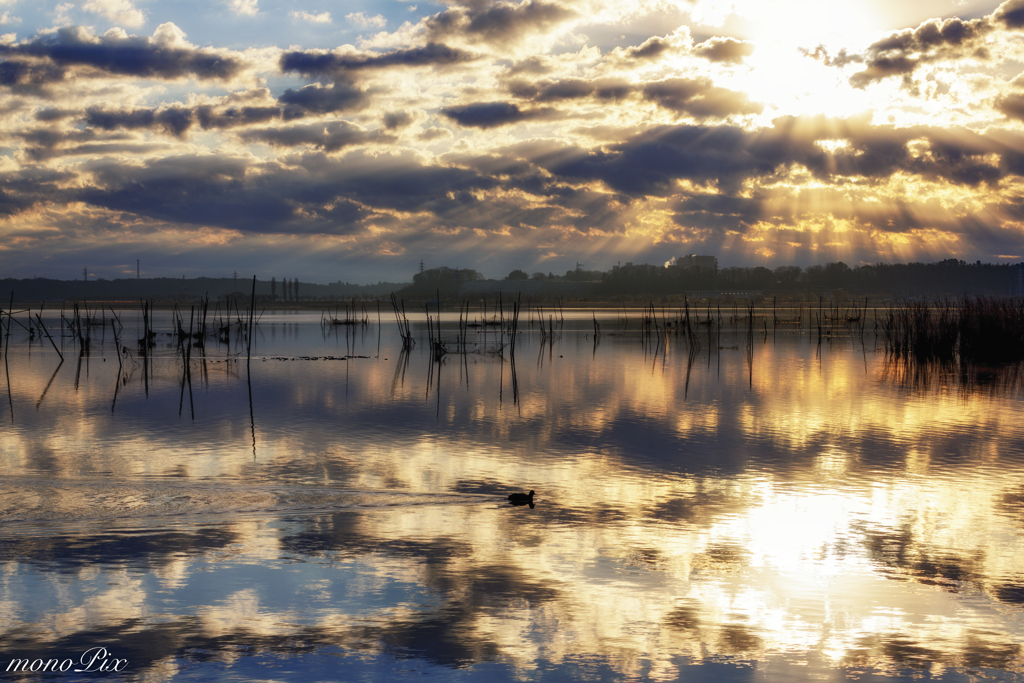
[336,511]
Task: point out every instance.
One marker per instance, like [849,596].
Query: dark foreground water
[781,511]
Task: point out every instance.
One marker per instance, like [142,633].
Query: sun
[780,73]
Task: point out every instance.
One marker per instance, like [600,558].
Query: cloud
[652,162]
[322,18]
[171,120]
[235,111]
[491,114]
[499,23]
[317,99]
[272,198]
[360,19]
[7,19]
[398,119]
[165,56]
[244,7]
[28,187]
[28,76]
[121,12]
[902,53]
[726,50]
[1010,14]
[315,63]
[1012,105]
[699,98]
[649,49]
[49,143]
[330,137]
[53,114]
[210,117]
[953,39]
[435,133]
[572,88]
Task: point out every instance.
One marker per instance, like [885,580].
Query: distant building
[693,261]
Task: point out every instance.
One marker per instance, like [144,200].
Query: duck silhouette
[521,499]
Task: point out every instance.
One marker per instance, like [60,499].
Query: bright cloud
[521,133]
[245,7]
[322,18]
[121,12]
[360,19]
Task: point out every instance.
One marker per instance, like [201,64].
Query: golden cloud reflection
[793,507]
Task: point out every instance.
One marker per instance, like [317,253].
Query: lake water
[769,508]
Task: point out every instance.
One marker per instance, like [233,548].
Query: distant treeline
[900,280]
[172,289]
[944,278]
[835,280]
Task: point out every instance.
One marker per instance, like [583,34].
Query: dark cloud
[177,120]
[699,98]
[47,143]
[132,56]
[434,133]
[840,60]
[1012,105]
[726,50]
[531,65]
[394,120]
[53,114]
[901,53]
[571,88]
[28,76]
[650,163]
[497,23]
[171,120]
[316,63]
[651,48]
[320,100]
[1010,14]
[188,190]
[717,211]
[330,137]
[22,190]
[271,198]
[11,204]
[488,114]
[210,117]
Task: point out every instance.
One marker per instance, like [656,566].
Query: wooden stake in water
[47,333]
[252,312]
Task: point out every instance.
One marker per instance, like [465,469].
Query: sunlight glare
[782,75]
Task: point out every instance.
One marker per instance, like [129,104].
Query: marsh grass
[968,330]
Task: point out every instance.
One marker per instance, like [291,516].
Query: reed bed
[973,330]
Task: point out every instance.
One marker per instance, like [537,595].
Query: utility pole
[85,274]
[421,265]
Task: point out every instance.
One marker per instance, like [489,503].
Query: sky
[351,141]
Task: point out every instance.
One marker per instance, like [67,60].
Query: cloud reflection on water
[810,512]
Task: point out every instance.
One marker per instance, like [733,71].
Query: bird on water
[521,499]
